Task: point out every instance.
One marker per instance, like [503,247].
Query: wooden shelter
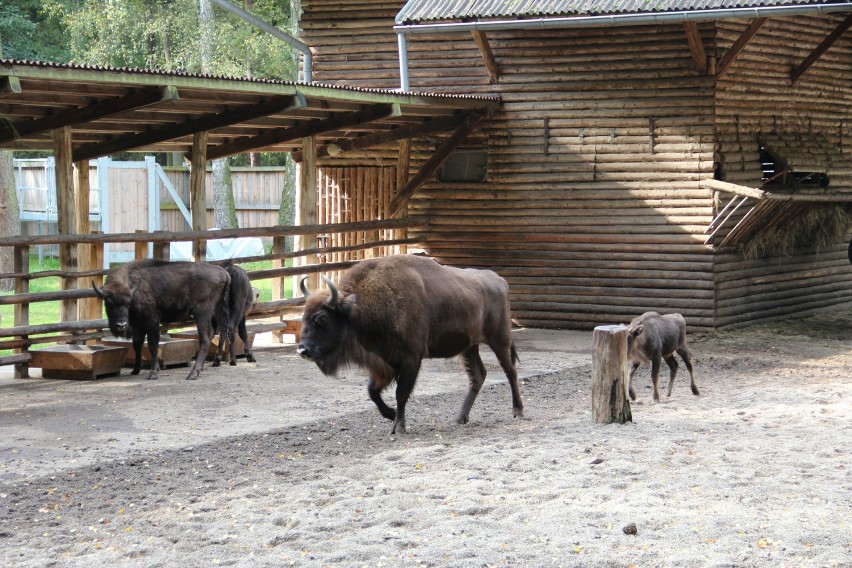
[603,186]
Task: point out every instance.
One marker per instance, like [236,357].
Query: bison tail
[515,358]
[224,312]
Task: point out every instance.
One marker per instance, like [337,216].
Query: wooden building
[629,158]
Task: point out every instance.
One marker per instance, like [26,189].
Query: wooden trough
[79,361]
[239,346]
[172,351]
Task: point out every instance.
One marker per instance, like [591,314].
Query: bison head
[117,298]
[325,327]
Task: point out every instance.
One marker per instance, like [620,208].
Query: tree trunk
[224,210]
[609,370]
[287,209]
[10,219]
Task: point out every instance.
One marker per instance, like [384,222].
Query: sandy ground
[272,464]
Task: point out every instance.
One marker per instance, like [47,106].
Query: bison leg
[153,349]
[244,336]
[687,360]
[656,361]
[404,385]
[672,363]
[138,342]
[205,334]
[507,358]
[476,378]
[375,392]
[630,390]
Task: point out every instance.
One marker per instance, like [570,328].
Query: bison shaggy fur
[388,314]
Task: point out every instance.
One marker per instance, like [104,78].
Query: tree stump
[609,375]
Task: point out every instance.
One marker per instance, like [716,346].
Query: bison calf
[652,337]
[390,313]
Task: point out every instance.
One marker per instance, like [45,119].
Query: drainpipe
[272,30]
[403,61]
[601,21]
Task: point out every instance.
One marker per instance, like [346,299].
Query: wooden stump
[609,375]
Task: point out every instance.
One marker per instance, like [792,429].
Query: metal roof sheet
[421,11]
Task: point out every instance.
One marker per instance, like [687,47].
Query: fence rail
[86,323]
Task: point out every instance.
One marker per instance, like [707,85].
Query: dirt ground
[272,464]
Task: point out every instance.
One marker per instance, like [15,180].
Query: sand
[275,465]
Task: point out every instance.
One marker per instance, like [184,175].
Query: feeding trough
[79,361]
[171,351]
[239,346]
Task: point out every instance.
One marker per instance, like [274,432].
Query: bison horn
[304,288]
[332,300]
[98,291]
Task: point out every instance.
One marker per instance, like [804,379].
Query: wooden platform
[172,352]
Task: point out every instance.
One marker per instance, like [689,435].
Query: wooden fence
[83,310]
[120,200]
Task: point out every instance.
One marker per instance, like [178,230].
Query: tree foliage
[151,34]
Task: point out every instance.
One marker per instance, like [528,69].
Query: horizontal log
[167,237]
[15,359]
[53,328]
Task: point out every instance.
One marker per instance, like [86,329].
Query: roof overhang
[118,110]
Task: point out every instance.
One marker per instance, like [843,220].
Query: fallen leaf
[762,543]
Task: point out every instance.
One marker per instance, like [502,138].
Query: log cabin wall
[810,122]
[591,207]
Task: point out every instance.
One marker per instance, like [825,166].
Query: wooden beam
[205,123]
[402,172]
[65,216]
[487,55]
[10,85]
[101,109]
[733,51]
[306,204]
[431,166]
[824,46]
[400,133]
[696,46]
[303,130]
[197,199]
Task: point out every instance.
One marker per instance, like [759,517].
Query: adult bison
[240,299]
[653,338]
[388,314]
[141,295]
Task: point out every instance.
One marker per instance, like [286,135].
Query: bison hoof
[250,358]
[518,413]
[398,428]
[695,391]
[152,377]
[233,363]
[462,419]
[135,372]
[216,363]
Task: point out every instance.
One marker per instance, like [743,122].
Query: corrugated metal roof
[420,11]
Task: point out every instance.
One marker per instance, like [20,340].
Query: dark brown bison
[653,338]
[240,299]
[141,295]
[388,314]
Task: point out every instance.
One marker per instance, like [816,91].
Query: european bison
[240,298]
[390,313]
[652,337]
[141,295]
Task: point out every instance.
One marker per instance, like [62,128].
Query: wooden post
[197,197]
[140,248]
[402,175]
[91,258]
[161,250]
[306,204]
[66,217]
[609,375]
[21,264]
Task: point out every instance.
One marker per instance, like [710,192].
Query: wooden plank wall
[351,194]
[257,195]
[756,98]
[598,221]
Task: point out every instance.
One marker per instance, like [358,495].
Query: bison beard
[391,313]
[141,295]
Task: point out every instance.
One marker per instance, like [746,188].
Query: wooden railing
[80,300]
